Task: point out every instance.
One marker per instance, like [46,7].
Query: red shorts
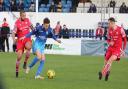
[20,45]
[113,51]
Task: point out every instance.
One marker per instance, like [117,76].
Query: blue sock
[40,68]
[35,60]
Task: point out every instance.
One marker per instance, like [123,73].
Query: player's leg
[40,67]
[19,48]
[106,69]
[34,61]
[107,56]
[100,73]
[28,46]
[19,56]
[42,59]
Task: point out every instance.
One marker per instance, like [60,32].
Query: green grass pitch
[72,72]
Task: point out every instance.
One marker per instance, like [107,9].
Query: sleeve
[30,24]
[123,33]
[124,38]
[53,35]
[33,32]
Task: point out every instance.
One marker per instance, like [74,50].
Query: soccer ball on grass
[51,74]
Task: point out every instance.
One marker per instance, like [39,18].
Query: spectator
[57,29]
[123,8]
[92,8]
[1,2]
[112,4]
[52,7]
[21,5]
[126,10]
[32,7]
[5,30]
[99,32]
[13,5]
[74,5]
[56,1]
[40,2]
[65,32]
[59,7]
[45,2]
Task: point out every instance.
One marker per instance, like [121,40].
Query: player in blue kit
[41,33]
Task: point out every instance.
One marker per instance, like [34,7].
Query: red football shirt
[116,36]
[22,27]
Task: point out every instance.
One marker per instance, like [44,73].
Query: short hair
[22,11]
[46,21]
[112,19]
[4,19]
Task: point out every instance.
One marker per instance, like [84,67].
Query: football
[51,74]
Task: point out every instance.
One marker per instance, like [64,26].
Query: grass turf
[72,72]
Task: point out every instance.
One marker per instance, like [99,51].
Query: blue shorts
[38,45]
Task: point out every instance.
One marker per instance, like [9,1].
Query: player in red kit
[21,28]
[117,44]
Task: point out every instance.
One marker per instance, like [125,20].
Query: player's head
[4,20]
[22,15]
[46,23]
[111,22]
[58,22]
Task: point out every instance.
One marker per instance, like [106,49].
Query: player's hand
[22,38]
[111,43]
[59,41]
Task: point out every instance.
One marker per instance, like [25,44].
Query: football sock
[39,70]
[26,57]
[35,60]
[17,65]
[105,69]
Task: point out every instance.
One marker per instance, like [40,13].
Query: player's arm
[14,34]
[32,27]
[54,37]
[124,38]
[33,32]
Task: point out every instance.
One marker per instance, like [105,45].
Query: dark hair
[4,19]
[22,11]
[112,19]
[46,21]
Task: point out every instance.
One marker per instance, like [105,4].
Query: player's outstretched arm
[54,37]
[28,35]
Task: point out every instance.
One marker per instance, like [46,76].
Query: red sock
[27,57]
[17,65]
[106,69]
